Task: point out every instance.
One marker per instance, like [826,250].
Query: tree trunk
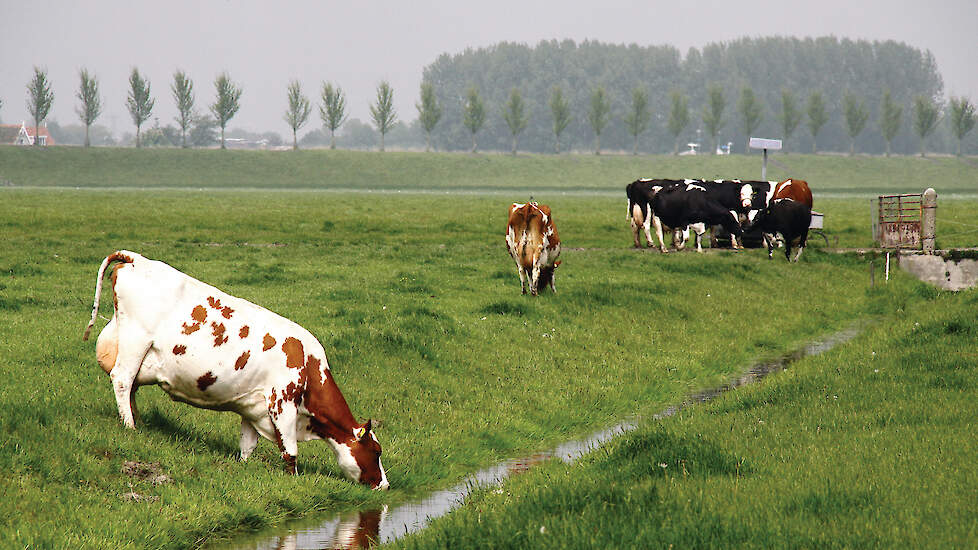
[887,148]
[852,147]
[183,138]
[427,142]
[814,144]
[222,137]
[88,142]
[557,146]
[138,145]
[635,146]
[514,145]
[597,145]
[675,147]
[473,142]
[37,139]
[382,142]
[959,146]
[332,139]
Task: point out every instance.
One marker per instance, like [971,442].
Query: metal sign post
[765,144]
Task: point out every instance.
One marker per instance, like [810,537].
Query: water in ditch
[364,528]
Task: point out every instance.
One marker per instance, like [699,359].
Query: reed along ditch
[368,527]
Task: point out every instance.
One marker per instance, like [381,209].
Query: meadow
[416,301]
[870,445]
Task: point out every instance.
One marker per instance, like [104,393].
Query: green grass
[322,169]
[415,299]
[869,445]
[426,331]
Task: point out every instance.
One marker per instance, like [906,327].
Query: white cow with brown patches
[212,350]
[532,241]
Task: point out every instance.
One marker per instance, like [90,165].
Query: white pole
[887,267]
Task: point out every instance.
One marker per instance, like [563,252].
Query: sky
[263,45]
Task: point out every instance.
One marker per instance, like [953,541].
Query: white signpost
[761,143]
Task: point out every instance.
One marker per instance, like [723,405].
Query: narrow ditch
[364,528]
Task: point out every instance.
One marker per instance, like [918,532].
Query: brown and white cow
[796,190]
[215,351]
[533,243]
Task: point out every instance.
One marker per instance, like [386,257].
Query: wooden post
[872,274]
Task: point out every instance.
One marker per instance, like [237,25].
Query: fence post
[928,220]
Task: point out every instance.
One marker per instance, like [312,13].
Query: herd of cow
[215,351]
[781,211]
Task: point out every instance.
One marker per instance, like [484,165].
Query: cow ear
[363,431]
[359,432]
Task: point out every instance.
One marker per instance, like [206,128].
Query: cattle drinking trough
[365,528]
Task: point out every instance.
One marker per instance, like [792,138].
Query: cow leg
[769,238]
[658,233]
[249,438]
[523,278]
[801,243]
[132,403]
[285,436]
[132,350]
[646,225]
[638,244]
[733,238]
[535,280]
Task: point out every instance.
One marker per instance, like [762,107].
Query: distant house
[21,134]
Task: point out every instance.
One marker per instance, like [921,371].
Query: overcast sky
[357,44]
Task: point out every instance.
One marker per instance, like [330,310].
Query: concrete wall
[946,274]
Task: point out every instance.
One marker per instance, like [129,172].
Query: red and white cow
[533,243]
[211,350]
[796,190]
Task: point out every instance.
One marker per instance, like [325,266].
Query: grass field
[416,302]
[868,446]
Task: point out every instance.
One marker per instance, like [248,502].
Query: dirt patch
[150,472]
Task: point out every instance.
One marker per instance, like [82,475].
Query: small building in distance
[21,134]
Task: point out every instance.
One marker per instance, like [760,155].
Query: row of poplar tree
[441,94]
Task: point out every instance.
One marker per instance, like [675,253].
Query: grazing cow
[533,243]
[756,195]
[786,220]
[639,214]
[690,204]
[796,190]
[211,350]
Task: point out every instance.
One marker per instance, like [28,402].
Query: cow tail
[114,257]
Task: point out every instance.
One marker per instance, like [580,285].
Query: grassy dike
[870,445]
[324,169]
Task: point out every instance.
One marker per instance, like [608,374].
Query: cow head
[359,457]
[746,196]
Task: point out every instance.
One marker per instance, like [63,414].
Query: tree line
[814,93]
[823,93]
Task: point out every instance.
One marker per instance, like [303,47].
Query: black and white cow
[785,220]
[692,203]
[640,214]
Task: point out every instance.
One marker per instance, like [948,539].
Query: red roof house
[21,134]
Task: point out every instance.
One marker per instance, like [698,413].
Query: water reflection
[358,529]
[367,527]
